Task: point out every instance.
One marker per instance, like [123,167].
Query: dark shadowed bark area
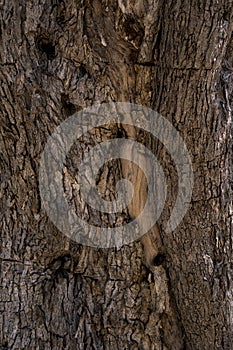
[168,291]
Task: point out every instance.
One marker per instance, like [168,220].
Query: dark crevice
[61,273]
[159,259]
[158,43]
[121,133]
[68,107]
[226,16]
[133,29]
[146,64]
[44,45]
[82,72]
[158,40]
[60,260]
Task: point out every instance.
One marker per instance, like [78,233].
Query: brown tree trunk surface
[168,291]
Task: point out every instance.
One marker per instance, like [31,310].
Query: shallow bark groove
[166,292]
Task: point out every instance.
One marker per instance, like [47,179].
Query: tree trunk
[168,290]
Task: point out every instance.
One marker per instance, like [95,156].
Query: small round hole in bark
[69,108]
[121,133]
[225,16]
[82,71]
[47,47]
[158,259]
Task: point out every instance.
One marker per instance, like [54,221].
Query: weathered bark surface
[60,57]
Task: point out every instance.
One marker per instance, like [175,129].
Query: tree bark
[166,291]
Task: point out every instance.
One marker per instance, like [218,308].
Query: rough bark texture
[60,57]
